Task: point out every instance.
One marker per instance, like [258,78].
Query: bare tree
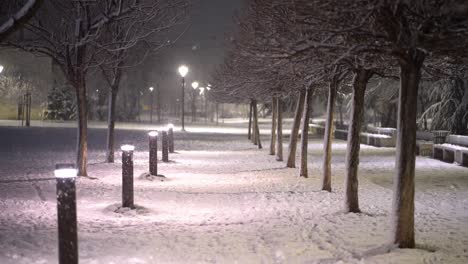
[67,32]
[13,20]
[128,41]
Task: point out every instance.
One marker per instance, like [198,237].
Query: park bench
[316,129]
[454,149]
[424,143]
[378,137]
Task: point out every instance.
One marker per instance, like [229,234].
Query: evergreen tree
[60,104]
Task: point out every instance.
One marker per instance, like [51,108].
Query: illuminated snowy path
[225,202]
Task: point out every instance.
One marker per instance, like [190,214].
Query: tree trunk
[279,150]
[328,136]
[361,78]
[257,129]
[111,125]
[82,143]
[250,122]
[291,163]
[460,115]
[274,111]
[254,128]
[341,113]
[305,132]
[403,199]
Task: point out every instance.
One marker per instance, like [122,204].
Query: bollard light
[170,134]
[66,214]
[127,176]
[165,146]
[153,153]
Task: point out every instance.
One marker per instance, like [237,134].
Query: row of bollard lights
[66,190]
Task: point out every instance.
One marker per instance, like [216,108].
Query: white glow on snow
[153,133]
[127,148]
[65,173]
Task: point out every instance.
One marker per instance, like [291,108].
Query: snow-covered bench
[378,140]
[316,129]
[455,150]
[424,144]
[341,134]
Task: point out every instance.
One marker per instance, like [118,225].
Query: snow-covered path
[224,202]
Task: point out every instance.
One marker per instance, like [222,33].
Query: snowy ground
[225,202]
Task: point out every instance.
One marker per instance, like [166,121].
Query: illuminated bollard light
[153,153]
[170,133]
[66,214]
[165,147]
[127,176]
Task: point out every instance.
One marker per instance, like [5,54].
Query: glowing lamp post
[153,153]
[165,146]
[127,176]
[66,214]
[151,89]
[170,134]
[194,96]
[183,70]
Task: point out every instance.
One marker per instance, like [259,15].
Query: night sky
[201,48]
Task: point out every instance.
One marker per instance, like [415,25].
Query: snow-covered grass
[224,202]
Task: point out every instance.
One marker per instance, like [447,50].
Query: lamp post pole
[152,100]
[183,70]
[183,104]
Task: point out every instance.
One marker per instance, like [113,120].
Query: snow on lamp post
[127,176]
[153,153]
[165,146]
[151,89]
[66,215]
[170,134]
[183,70]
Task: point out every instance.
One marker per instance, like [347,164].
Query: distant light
[127,148]
[202,90]
[65,173]
[1,68]
[153,133]
[170,126]
[183,70]
[195,85]
[151,89]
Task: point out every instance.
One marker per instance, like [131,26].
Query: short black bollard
[127,176]
[153,153]
[66,215]
[165,147]
[170,133]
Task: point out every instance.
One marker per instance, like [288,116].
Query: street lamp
[151,89]
[1,68]
[183,70]
[194,95]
